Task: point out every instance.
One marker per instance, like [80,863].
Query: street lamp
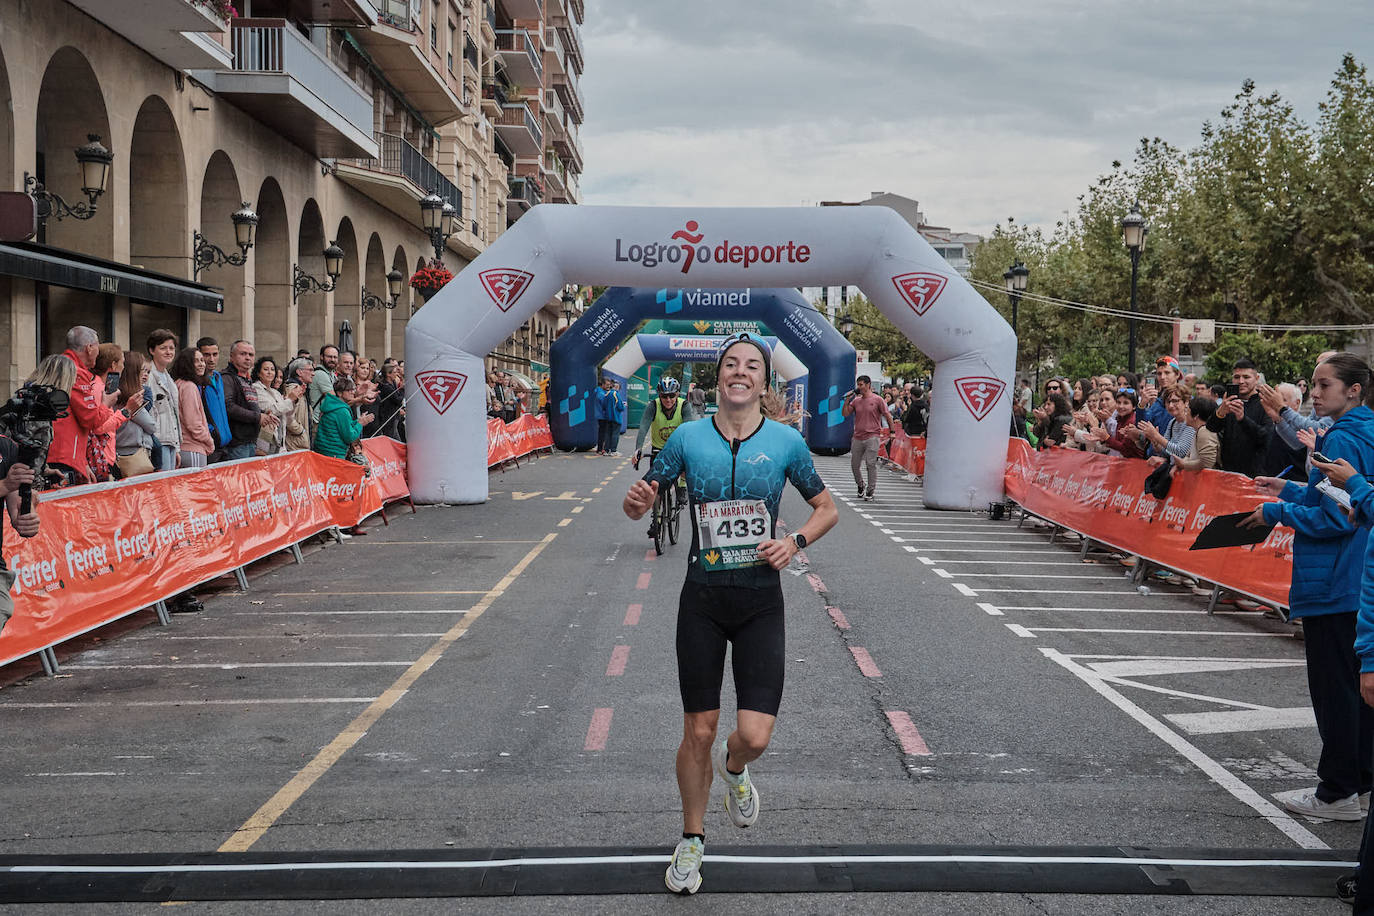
[567,299]
[1133,231]
[207,254]
[846,325]
[438,217]
[394,281]
[1017,277]
[302,282]
[94,160]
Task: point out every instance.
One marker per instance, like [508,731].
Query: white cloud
[980,111]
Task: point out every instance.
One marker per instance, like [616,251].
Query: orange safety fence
[508,441]
[905,451]
[1104,498]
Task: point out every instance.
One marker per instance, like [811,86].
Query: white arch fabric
[554,244]
[628,360]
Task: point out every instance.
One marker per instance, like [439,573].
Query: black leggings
[751,620]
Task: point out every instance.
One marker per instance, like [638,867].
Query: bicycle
[665,518]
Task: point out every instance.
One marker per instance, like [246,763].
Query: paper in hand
[1225,531]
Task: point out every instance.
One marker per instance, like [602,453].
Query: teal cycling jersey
[740,475]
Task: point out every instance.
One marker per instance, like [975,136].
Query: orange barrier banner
[1104,498]
[386,479]
[507,441]
[104,551]
[907,452]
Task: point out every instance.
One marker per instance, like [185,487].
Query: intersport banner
[1104,498]
[108,550]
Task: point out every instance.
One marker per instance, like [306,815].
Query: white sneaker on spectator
[1305,801]
[1245,604]
[343,535]
[1203,590]
[1128,561]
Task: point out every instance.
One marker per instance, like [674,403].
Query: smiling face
[1177,405]
[163,354]
[741,374]
[345,364]
[1124,407]
[199,363]
[1247,379]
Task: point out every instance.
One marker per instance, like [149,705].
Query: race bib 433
[729,533]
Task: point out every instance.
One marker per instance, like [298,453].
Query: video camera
[27,418]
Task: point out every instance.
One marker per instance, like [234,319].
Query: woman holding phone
[1328,560]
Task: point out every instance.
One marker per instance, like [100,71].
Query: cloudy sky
[980,110]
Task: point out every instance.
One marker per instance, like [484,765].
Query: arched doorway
[159,234]
[220,196]
[348,294]
[400,316]
[272,310]
[71,107]
[309,327]
[972,346]
[372,339]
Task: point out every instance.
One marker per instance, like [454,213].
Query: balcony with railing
[523,9]
[554,116]
[402,55]
[518,127]
[525,192]
[470,52]
[179,33]
[522,53]
[398,177]
[567,145]
[288,84]
[565,84]
[568,34]
[554,54]
[495,96]
[578,9]
[554,174]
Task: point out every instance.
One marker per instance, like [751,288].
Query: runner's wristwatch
[799,539]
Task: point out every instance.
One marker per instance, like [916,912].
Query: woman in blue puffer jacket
[1328,566]
[1356,482]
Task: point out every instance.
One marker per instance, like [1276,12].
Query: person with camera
[13,476]
[87,412]
[1241,422]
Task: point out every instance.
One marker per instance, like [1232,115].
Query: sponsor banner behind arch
[1104,498]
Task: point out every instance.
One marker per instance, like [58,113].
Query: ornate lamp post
[1016,277]
[1133,232]
[94,160]
[302,282]
[208,254]
[439,219]
[395,280]
[846,325]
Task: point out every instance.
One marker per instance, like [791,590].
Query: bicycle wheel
[660,521]
[674,515]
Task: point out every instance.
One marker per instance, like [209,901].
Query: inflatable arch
[708,248]
[828,358]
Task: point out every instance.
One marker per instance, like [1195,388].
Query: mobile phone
[1318,456]
[1341,497]
[1150,380]
[1233,391]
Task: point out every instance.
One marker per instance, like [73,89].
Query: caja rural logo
[920,290]
[979,394]
[505,285]
[687,246]
[441,387]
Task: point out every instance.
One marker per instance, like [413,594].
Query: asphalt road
[502,678]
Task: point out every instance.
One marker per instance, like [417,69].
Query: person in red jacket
[88,413]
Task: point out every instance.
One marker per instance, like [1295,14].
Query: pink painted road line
[632,614]
[837,615]
[816,584]
[651,555]
[619,656]
[643,581]
[912,742]
[599,730]
[865,661]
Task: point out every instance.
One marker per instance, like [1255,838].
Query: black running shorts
[751,621]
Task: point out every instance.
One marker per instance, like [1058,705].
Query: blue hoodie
[1362,502]
[215,411]
[1328,549]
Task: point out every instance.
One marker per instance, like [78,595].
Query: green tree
[1279,359]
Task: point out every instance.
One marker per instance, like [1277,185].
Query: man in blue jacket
[603,425]
[215,411]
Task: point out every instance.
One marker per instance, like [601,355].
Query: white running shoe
[741,798]
[1306,802]
[684,871]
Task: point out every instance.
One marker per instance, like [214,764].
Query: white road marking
[1148,666]
[909,549]
[1020,631]
[1000,563]
[163,637]
[188,702]
[389,612]
[1215,771]
[983,575]
[964,590]
[942,574]
[926,560]
[234,666]
[990,609]
[1162,632]
[1132,610]
[1244,720]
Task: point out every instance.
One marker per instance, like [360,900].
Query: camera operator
[15,475]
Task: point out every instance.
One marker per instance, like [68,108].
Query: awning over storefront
[73,270]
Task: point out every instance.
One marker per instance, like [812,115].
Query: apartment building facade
[330,119]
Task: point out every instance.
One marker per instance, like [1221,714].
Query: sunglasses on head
[1125,391]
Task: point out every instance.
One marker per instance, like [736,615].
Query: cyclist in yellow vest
[661,416]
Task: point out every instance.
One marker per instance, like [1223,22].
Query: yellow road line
[472,541]
[477,591]
[252,830]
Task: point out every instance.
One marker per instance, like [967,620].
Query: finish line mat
[155,877]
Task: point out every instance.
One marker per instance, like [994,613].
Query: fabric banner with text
[1104,498]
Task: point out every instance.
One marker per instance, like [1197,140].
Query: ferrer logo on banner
[441,387]
[920,290]
[688,246]
[505,286]
[979,394]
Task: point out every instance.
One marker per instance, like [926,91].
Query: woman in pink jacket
[197,442]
